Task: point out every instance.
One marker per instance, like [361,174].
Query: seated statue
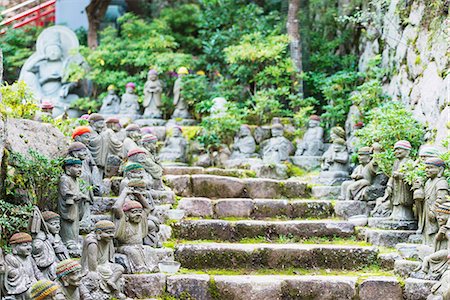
[312,142]
[149,161]
[181,107]
[441,290]
[361,177]
[152,96]
[131,212]
[113,123]
[134,135]
[436,264]
[175,147]
[69,276]
[352,139]
[135,170]
[69,198]
[48,248]
[129,104]
[278,148]
[334,167]
[47,290]
[244,144]
[21,271]
[397,201]
[98,259]
[111,103]
[46,72]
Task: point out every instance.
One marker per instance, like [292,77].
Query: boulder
[375,288]
[417,289]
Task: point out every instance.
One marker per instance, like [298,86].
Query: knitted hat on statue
[80,130]
[42,289]
[129,205]
[104,225]
[19,238]
[49,215]
[403,145]
[66,267]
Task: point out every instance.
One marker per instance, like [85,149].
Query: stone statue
[151,163]
[82,134]
[436,190]
[398,197]
[48,247]
[45,112]
[135,170]
[131,211]
[152,96]
[312,142]
[436,264]
[353,140]
[362,177]
[129,104]
[113,123]
[278,148]
[21,271]
[69,197]
[46,290]
[334,168]
[134,135]
[353,121]
[87,185]
[244,144]
[441,290]
[111,103]
[98,259]
[425,152]
[46,72]
[181,107]
[175,147]
[69,276]
[103,143]
[219,108]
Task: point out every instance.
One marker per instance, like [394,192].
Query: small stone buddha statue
[69,276]
[244,145]
[129,104]
[152,96]
[175,147]
[277,149]
[181,107]
[111,103]
[312,142]
[47,290]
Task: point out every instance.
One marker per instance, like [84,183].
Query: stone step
[236,230]
[262,287]
[215,187]
[274,256]
[256,208]
[185,170]
[384,237]
[325,191]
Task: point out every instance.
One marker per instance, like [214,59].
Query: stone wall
[413,38]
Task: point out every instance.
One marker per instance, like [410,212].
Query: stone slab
[346,209]
[387,223]
[248,287]
[325,192]
[180,170]
[417,289]
[274,256]
[404,268]
[212,186]
[308,163]
[376,288]
[144,285]
[196,207]
[237,230]
[191,285]
[241,208]
[386,238]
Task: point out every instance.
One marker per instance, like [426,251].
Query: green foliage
[17,45]
[386,125]
[18,101]
[33,179]
[66,126]
[13,218]
[196,92]
[86,105]
[265,105]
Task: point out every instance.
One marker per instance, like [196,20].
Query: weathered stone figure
[181,107]
[131,211]
[398,195]
[134,135]
[113,123]
[244,144]
[334,167]
[69,277]
[436,264]
[69,197]
[149,162]
[361,177]
[175,147]
[48,247]
[134,170]
[129,104]
[111,103]
[21,271]
[152,96]
[98,259]
[277,149]
[312,142]
[219,108]
[96,124]
[46,290]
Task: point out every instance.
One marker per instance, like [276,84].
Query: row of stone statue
[129,106]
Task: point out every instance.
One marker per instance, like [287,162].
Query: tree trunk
[295,45]
[95,12]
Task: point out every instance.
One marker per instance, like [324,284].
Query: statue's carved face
[135,135]
[313,123]
[401,153]
[432,171]
[84,138]
[72,279]
[106,234]
[245,131]
[73,170]
[81,154]
[442,218]
[54,226]
[59,295]
[114,126]
[111,92]
[277,132]
[176,132]
[364,159]
[136,174]
[339,147]
[129,90]
[22,249]
[134,215]
[53,52]
[98,125]
[150,146]
[152,77]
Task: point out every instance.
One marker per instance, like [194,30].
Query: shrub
[18,101]
[386,125]
[13,218]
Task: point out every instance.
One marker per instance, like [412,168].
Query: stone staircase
[254,238]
